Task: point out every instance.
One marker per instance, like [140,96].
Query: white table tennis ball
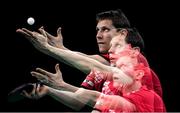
[30,20]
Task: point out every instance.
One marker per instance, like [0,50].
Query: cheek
[107,37]
[114,56]
[118,65]
[118,62]
[129,72]
[117,84]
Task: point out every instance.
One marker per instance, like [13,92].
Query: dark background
[157,23]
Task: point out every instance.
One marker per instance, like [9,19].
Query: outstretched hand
[37,92]
[54,80]
[38,40]
[55,41]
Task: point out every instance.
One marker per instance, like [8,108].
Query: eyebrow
[105,27]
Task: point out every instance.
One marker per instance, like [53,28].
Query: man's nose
[110,50]
[99,35]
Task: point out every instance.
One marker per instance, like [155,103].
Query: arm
[57,41]
[67,98]
[75,100]
[54,80]
[86,64]
[114,102]
[81,62]
[93,99]
[40,42]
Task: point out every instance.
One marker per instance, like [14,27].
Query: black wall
[156,22]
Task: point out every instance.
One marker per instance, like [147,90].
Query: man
[108,25]
[107,28]
[127,96]
[40,42]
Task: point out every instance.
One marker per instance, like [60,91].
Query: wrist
[61,85]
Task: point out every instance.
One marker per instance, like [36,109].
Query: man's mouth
[100,42]
[112,60]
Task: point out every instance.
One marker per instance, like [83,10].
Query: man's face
[126,64]
[105,32]
[118,44]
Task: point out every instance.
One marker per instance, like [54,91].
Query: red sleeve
[89,81]
[156,84]
[147,79]
[94,80]
[142,59]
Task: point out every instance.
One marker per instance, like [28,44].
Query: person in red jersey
[129,94]
[107,27]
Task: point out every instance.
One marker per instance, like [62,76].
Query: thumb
[59,31]
[57,68]
[42,31]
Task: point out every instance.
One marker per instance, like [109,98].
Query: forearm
[95,57]
[67,98]
[87,96]
[84,63]
[78,61]
[66,87]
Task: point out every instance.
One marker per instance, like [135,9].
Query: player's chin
[103,49]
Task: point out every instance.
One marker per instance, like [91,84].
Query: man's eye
[119,46]
[105,29]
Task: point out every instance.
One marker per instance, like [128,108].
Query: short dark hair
[119,20]
[134,38]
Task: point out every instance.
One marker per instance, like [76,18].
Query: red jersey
[151,80]
[94,80]
[145,100]
[155,84]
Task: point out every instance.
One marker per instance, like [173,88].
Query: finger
[41,87]
[44,72]
[42,27]
[59,32]
[27,35]
[36,35]
[28,31]
[22,32]
[33,35]
[24,93]
[57,68]
[42,78]
[42,31]
[38,75]
[37,89]
[34,89]
[49,36]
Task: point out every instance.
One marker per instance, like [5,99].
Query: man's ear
[139,74]
[123,32]
[135,51]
